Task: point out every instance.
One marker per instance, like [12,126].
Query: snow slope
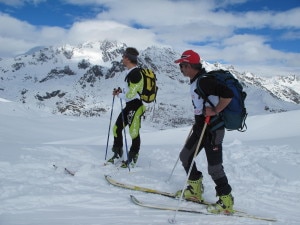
[262,165]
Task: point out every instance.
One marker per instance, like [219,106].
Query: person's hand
[116,91]
[209,111]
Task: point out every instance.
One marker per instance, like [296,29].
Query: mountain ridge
[78,80]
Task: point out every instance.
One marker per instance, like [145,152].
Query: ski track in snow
[264,175]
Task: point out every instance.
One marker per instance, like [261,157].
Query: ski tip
[135,200]
[72,173]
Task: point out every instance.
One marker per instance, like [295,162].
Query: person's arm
[213,87]
[223,102]
[135,85]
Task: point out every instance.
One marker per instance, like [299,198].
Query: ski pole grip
[207,119]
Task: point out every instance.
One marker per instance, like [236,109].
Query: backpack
[234,115]
[149,92]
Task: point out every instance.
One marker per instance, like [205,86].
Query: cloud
[275,20]
[94,30]
[291,35]
[287,19]
[251,53]
[19,3]
[15,36]
[18,36]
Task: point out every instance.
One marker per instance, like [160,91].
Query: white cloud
[17,36]
[12,2]
[291,35]
[94,30]
[287,19]
[18,3]
[275,20]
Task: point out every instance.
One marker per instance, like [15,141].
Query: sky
[258,36]
[262,165]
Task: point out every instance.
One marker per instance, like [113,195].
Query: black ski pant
[132,114]
[212,144]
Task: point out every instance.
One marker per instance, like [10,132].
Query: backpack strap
[216,121]
[244,125]
[202,94]
[126,77]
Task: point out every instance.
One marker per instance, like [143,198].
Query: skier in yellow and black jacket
[132,112]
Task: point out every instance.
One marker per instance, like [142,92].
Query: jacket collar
[199,74]
[195,77]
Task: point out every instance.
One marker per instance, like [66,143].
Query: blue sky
[259,36]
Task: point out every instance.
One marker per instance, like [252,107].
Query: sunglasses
[181,65]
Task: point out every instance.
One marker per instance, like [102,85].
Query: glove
[116,91]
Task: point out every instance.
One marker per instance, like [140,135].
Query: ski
[147,190]
[237,213]
[164,207]
[192,210]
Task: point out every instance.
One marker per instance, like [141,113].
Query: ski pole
[125,134]
[111,113]
[178,156]
[173,220]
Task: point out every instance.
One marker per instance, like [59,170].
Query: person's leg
[214,153]
[134,121]
[194,189]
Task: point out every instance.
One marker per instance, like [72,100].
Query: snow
[262,165]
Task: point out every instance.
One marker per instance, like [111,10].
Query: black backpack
[233,117]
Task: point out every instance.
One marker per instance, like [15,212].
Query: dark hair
[197,66]
[132,54]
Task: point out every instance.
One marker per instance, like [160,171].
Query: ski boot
[131,162]
[193,191]
[118,153]
[223,206]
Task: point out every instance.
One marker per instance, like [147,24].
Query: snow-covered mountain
[78,80]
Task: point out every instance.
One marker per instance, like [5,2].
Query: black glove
[116,91]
